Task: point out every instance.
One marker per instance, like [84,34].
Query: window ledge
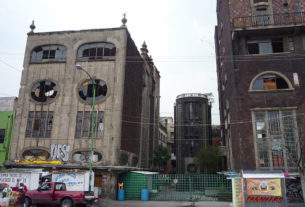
[95,60]
[267,54]
[272,91]
[47,62]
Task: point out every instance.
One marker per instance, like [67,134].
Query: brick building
[53,115]
[260,47]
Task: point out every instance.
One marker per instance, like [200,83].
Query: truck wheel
[27,202]
[66,203]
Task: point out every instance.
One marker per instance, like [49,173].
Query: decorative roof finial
[32,27]
[144,49]
[124,20]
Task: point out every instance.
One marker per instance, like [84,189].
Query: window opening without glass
[44,91]
[49,53]
[39,124]
[86,90]
[96,51]
[2,135]
[265,46]
[269,82]
[84,121]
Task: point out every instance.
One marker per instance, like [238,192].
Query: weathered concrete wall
[67,101]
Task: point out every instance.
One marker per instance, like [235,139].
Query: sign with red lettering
[264,199]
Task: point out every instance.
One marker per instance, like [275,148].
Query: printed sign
[238,198]
[267,187]
[74,181]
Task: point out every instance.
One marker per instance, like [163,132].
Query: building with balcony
[54,111]
[192,129]
[260,47]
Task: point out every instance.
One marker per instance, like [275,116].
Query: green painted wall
[7,123]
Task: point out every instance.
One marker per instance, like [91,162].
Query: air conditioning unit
[190,165]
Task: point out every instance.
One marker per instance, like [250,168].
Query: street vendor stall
[263,189]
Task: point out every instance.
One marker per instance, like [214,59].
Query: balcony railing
[283,19]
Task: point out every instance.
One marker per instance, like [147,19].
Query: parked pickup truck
[55,193]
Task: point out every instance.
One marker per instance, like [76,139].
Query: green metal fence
[180,187]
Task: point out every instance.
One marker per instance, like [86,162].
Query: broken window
[2,135]
[83,124]
[49,53]
[270,82]
[36,155]
[96,51]
[44,91]
[265,46]
[84,156]
[274,131]
[39,124]
[86,90]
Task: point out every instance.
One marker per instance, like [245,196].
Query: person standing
[22,190]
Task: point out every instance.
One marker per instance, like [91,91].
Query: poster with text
[268,187]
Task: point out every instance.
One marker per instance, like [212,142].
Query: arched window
[270,81]
[49,53]
[96,51]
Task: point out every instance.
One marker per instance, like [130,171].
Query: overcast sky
[179,36]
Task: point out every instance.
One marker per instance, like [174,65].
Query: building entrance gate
[179,187]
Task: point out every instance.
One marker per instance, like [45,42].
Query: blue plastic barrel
[121,195]
[144,195]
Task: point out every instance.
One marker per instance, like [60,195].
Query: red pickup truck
[55,193]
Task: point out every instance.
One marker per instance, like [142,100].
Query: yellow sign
[238,193]
[53,162]
[267,187]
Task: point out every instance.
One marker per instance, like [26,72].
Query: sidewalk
[129,203]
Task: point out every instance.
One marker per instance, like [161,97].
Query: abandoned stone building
[54,111]
[260,47]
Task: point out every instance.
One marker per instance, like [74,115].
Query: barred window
[49,53]
[83,124]
[39,124]
[275,130]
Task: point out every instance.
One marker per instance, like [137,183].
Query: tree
[160,157]
[297,160]
[209,159]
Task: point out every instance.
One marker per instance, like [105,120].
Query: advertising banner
[265,187]
[238,196]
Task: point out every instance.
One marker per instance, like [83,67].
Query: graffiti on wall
[294,190]
[60,152]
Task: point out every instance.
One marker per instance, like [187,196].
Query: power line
[10,66]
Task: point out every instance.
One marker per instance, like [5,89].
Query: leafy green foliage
[209,159]
[160,157]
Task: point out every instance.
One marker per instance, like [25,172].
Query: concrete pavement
[128,203]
